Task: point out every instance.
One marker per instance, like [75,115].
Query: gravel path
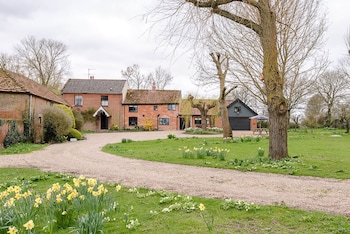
[86,158]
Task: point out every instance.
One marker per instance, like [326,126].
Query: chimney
[154,87]
[92,77]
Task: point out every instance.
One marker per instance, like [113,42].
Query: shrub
[68,110]
[114,127]
[74,133]
[79,120]
[171,136]
[57,124]
[88,115]
[12,136]
[148,125]
[125,140]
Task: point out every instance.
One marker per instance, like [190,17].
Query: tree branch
[214,4]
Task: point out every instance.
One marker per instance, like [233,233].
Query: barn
[239,115]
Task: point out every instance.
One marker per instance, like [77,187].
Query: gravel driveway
[86,158]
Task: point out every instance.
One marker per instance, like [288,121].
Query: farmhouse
[153,109]
[100,100]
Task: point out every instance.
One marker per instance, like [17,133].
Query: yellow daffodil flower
[12,230]
[201,207]
[29,225]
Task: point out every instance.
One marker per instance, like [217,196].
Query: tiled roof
[152,97]
[15,83]
[96,86]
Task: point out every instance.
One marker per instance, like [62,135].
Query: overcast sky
[108,36]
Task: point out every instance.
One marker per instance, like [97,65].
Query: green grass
[312,153]
[138,203]
[22,148]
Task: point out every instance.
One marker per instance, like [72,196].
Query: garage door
[238,123]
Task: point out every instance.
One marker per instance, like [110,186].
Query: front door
[104,121]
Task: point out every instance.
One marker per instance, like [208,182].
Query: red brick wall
[146,113]
[114,108]
[12,106]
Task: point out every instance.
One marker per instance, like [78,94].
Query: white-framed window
[171,107]
[78,100]
[104,100]
[155,108]
[163,121]
[133,108]
[197,121]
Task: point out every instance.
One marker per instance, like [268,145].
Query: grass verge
[141,210]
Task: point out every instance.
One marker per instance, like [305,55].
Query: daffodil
[118,187]
[58,198]
[29,225]
[92,182]
[12,230]
[201,207]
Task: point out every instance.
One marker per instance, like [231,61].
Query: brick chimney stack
[154,87]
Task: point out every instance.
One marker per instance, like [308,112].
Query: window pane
[104,100]
[132,108]
[78,100]
[163,121]
[132,121]
[171,107]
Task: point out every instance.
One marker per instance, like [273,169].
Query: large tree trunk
[203,121]
[226,127]
[276,102]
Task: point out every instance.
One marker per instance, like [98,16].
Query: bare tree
[332,86]
[250,32]
[347,41]
[160,78]
[344,63]
[135,78]
[203,107]
[314,111]
[10,63]
[222,66]
[345,116]
[43,60]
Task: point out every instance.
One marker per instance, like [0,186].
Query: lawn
[22,148]
[139,210]
[319,153]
